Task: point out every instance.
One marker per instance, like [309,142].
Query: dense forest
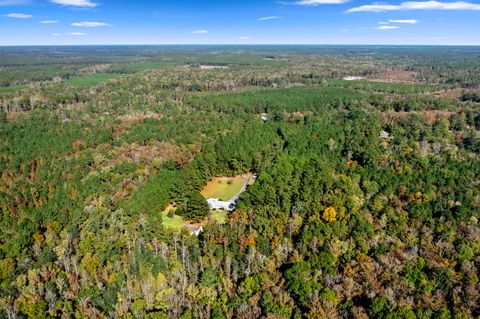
[366,202]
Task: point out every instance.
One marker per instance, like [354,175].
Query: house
[193,230]
[352,78]
[385,135]
[216,204]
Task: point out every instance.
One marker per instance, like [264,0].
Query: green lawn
[91,80]
[176,222]
[223,188]
[220,216]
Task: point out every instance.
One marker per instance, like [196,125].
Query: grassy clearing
[220,216]
[224,188]
[91,80]
[176,222]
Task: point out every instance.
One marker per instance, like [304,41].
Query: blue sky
[72,22]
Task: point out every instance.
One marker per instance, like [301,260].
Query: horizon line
[237,44]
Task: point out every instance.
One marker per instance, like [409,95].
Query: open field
[175,223]
[224,188]
[394,76]
[219,216]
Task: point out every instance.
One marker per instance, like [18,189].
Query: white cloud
[244,38]
[56,34]
[200,32]
[268,18]
[18,15]
[76,3]
[48,22]
[374,8]
[344,30]
[413,5]
[77,33]
[319,2]
[387,27]
[90,24]
[407,21]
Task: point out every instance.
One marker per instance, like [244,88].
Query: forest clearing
[225,188]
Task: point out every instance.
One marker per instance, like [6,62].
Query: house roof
[193,227]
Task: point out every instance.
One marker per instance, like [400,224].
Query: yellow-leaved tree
[329,214]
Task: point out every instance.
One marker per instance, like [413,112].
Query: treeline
[471,96]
